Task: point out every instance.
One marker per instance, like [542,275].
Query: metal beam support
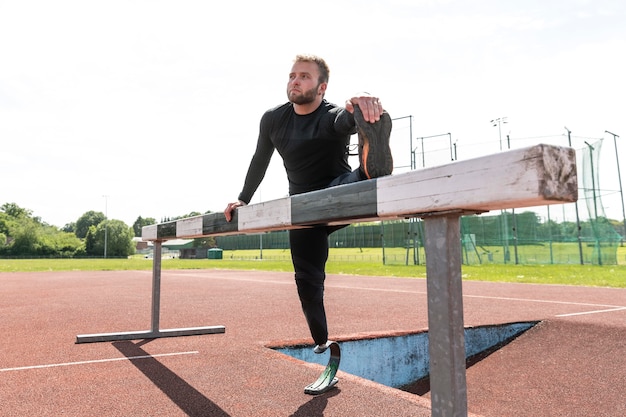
[156,284]
[446,336]
[154,333]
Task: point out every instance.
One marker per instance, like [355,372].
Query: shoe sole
[374,151]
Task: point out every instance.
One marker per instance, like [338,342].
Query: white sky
[156,104]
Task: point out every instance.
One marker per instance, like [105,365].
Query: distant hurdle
[533,176]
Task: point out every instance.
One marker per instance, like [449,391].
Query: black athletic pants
[309,253]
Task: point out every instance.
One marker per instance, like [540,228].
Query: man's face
[303,86]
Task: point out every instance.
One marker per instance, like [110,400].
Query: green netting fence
[508,237]
[575,233]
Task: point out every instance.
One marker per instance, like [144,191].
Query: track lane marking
[531,300]
[55,365]
[574,303]
[591,312]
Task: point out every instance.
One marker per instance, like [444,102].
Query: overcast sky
[156,104]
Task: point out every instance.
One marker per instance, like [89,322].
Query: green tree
[54,242]
[550,231]
[31,237]
[11,215]
[23,235]
[69,228]
[5,223]
[119,239]
[25,239]
[141,222]
[90,242]
[91,218]
[15,211]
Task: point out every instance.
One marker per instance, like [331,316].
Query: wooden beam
[533,176]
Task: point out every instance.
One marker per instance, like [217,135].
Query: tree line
[25,235]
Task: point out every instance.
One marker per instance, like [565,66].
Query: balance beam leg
[154,332]
[156,284]
[445,316]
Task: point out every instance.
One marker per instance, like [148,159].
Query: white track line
[528,300]
[573,303]
[54,365]
[591,312]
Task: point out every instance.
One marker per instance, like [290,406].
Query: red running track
[572,364]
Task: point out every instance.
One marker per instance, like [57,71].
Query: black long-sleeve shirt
[314,147]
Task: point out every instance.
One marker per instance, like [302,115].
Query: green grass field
[345,261]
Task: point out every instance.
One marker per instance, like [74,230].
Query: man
[312,137]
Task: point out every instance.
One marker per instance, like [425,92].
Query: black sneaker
[374,151]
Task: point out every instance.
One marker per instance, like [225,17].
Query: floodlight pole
[580,244]
[498,122]
[619,178]
[413,220]
[106,219]
[595,203]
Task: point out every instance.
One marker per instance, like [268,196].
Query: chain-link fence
[575,233]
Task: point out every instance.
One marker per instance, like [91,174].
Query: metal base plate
[149,334]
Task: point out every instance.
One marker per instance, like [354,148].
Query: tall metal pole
[498,122]
[505,244]
[619,177]
[515,242]
[412,165]
[550,236]
[595,204]
[106,220]
[580,244]
[260,234]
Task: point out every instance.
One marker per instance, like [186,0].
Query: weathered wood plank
[270,215]
[533,176]
[216,224]
[344,202]
[191,226]
[528,177]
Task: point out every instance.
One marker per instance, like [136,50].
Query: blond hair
[321,65]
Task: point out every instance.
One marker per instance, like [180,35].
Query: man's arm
[256,171]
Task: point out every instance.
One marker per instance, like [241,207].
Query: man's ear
[321,89]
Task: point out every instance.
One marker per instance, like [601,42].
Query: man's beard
[305,97]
